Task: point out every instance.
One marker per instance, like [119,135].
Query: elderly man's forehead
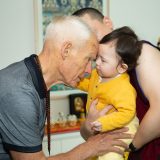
[95,52]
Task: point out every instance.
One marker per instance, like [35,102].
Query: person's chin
[74,85]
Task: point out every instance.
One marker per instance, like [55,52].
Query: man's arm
[94,146]
[149,80]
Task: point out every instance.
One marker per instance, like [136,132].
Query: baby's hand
[96,126]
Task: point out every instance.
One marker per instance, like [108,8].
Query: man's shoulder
[13,69]
[14,73]
[14,79]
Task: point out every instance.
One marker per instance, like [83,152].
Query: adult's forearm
[81,152]
[94,146]
[85,130]
[78,153]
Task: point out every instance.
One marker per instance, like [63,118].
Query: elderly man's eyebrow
[100,56]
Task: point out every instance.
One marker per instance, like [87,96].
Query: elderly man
[145,78]
[69,47]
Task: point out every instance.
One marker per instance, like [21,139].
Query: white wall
[16,30]
[142,15]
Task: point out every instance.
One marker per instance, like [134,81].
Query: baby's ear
[122,67]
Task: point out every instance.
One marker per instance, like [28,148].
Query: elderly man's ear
[108,22]
[66,49]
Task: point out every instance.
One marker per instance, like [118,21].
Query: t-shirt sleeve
[20,121]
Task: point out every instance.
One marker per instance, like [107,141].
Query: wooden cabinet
[62,142]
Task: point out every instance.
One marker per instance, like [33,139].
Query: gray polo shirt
[22,111]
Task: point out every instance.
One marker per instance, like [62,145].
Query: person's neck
[49,72]
[106,79]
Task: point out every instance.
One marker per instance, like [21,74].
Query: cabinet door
[70,143]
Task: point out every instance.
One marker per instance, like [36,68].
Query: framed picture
[46,10]
[77,103]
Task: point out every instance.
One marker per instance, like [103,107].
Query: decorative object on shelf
[77,104]
[82,116]
[64,124]
[72,119]
[62,120]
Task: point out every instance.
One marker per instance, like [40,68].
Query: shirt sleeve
[20,121]
[84,84]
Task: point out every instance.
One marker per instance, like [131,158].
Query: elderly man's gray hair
[67,28]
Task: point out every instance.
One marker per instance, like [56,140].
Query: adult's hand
[93,114]
[108,142]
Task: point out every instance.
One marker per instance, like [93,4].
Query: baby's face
[107,60]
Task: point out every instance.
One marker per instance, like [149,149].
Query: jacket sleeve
[84,84]
[125,105]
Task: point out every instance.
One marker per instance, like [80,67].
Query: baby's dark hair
[127,44]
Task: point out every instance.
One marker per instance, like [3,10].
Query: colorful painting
[51,8]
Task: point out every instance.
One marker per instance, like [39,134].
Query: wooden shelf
[57,129]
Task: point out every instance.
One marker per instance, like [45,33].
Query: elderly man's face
[79,62]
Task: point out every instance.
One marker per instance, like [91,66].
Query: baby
[110,84]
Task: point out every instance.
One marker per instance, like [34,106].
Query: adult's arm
[94,146]
[148,73]
[93,114]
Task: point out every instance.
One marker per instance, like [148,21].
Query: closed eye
[103,60]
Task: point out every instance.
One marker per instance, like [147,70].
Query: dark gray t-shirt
[22,112]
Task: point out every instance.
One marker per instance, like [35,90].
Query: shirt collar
[36,75]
